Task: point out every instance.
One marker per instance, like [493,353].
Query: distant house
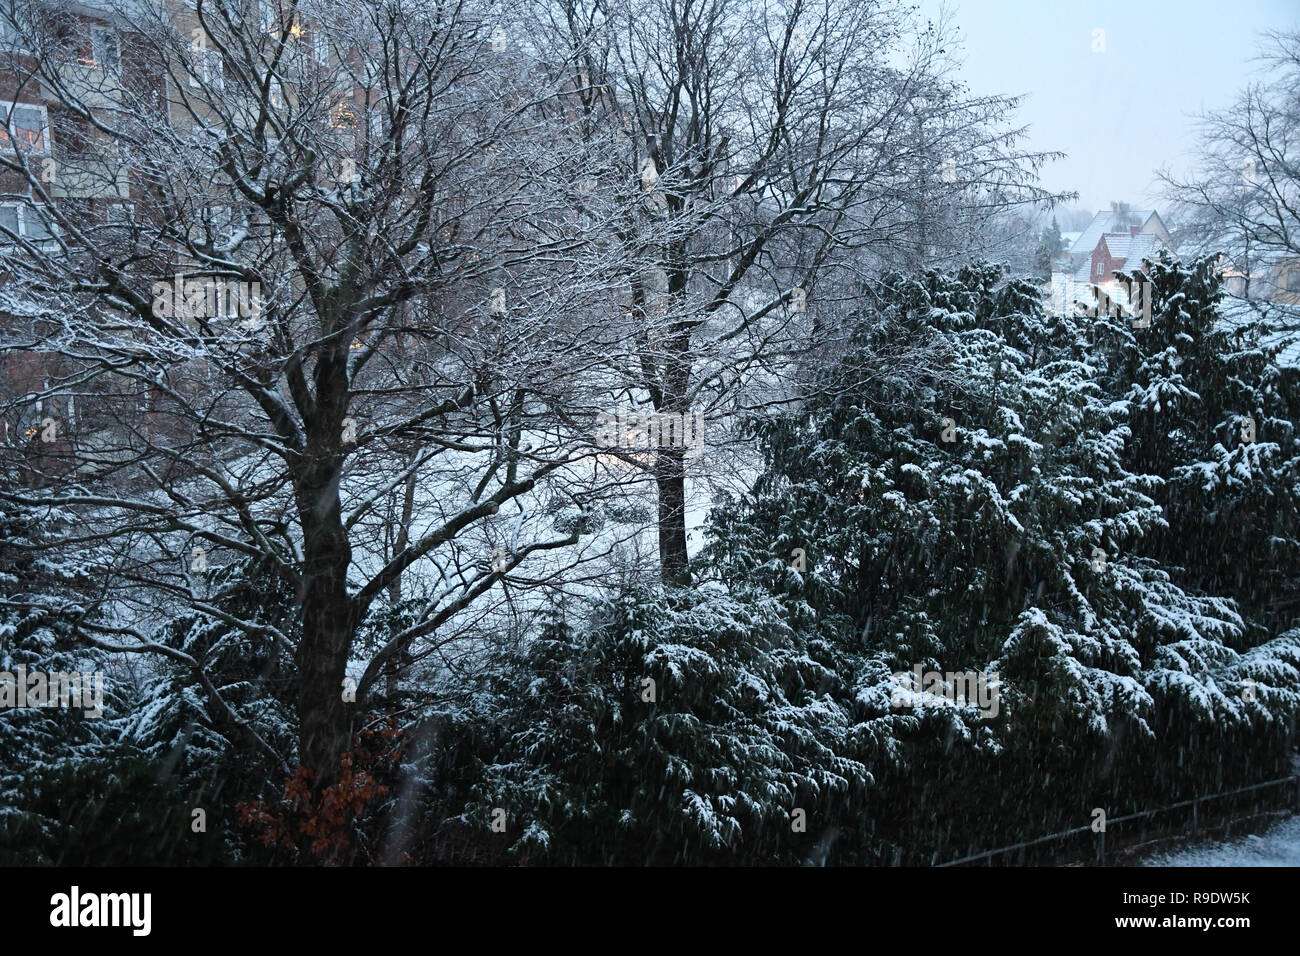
[1272,276]
[1143,221]
[1113,242]
[1118,252]
[1265,286]
[1286,280]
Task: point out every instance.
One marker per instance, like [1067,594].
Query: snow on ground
[1279,845]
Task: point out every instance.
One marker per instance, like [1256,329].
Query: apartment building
[81,83]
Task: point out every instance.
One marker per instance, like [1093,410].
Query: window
[27,127]
[28,222]
[13,28]
[120,215]
[268,17]
[105,50]
[206,69]
[1291,282]
[218,225]
[375,123]
[1100,266]
[35,226]
[76,139]
[320,47]
[343,115]
[216,219]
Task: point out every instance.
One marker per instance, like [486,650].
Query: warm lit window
[343,115]
[27,127]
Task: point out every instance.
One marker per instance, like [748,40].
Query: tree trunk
[327,630]
[328,613]
[670,465]
[670,476]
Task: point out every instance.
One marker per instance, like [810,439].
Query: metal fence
[1194,803]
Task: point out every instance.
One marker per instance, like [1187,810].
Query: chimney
[1133,230]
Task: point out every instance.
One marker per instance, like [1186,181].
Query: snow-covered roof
[1103,223]
[1133,249]
[1118,243]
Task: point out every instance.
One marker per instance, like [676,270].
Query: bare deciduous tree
[786,156]
[1243,198]
[412,304]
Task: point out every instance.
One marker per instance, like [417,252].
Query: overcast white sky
[1128,111]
